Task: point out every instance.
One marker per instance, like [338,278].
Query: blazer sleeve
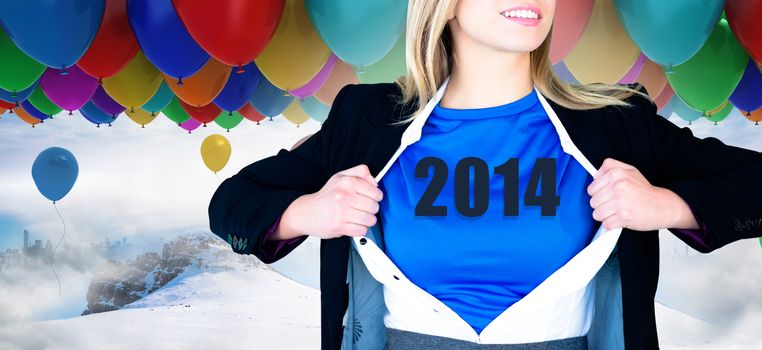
[719,182]
[246,206]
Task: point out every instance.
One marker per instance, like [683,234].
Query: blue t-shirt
[475,259]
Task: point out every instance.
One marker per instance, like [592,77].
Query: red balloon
[232,31]
[204,114]
[743,17]
[114,46]
[7,105]
[249,112]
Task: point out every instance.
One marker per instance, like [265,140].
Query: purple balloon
[564,74]
[315,83]
[69,91]
[634,72]
[190,124]
[105,102]
[748,94]
[33,111]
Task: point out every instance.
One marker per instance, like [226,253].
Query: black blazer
[718,181]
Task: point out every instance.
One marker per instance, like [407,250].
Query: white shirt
[560,307]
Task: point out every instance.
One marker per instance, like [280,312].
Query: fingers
[360,171]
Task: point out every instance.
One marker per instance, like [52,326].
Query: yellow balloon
[295,113]
[605,53]
[215,151]
[140,116]
[135,84]
[296,53]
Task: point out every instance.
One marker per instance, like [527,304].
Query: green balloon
[721,114]
[17,70]
[708,78]
[39,100]
[388,68]
[175,112]
[227,120]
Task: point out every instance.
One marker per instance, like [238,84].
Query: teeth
[521,14]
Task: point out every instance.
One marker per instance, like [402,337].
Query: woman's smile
[526,15]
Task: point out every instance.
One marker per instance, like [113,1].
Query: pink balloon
[69,91]
[314,85]
[634,72]
[664,97]
[190,124]
[569,22]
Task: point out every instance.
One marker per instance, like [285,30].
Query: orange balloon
[653,78]
[755,116]
[664,97]
[342,74]
[569,22]
[203,86]
[295,114]
[25,116]
[249,112]
[2,111]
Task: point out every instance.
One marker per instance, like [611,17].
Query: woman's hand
[622,197]
[345,206]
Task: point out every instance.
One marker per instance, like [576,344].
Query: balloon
[2,111]
[665,111]
[175,112]
[358,32]
[34,112]
[341,75]
[664,97]
[709,78]
[268,99]
[18,96]
[563,73]
[748,94]
[683,111]
[295,114]
[653,78]
[92,113]
[215,151]
[114,45]
[140,116]
[204,114]
[134,85]
[720,113]
[55,33]
[605,53]
[296,53]
[17,70]
[569,22]
[190,124]
[743,17]
[317,81]
[26,117]
[160,99]
[54,172]
[385,70]
[106,103]
[43,103]
[228,121]
[69,91]
[201,88]
[250,113]
[315,109]
[669,32]
[164,39]
[7,106]
[634,72]
[755,116]
[232,31]
[238,88]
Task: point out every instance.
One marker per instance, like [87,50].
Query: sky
[150,184]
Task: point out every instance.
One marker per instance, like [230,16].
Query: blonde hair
[429,56]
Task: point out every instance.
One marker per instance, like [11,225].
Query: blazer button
[363,241]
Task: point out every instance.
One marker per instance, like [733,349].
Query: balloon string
[218,177]
[53,253]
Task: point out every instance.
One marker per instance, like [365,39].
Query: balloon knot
[180,81]
[748,113]
[153,114]
[240,69]
[230,113]
[13,94]
[189,131]
[204,124]
[228,130]
[11,111]
[70,113]
[97,125]
[100,81]
[64,71]
[113,116]
[132,109]
[109,125]
[17,103]
[257,122]
[142,126]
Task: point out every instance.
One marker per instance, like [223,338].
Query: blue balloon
[160,99]
[268,100]
[682,109]
[665,111]
[164,39]
[315,109]
[239,88]
[55,33]
[18,96]
[95,115]
[33,111]
[669,32]
[358,32]
[748,94]
[54,172]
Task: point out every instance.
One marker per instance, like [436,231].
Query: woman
[410,262]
